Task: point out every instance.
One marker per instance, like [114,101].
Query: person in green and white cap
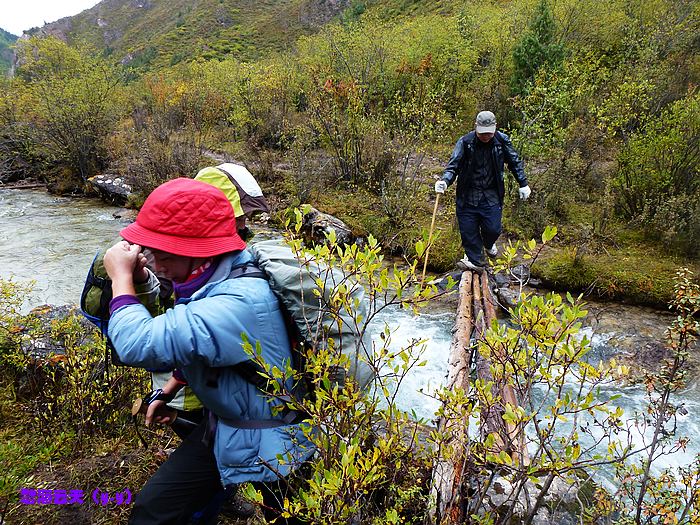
[240,188]
[477,164]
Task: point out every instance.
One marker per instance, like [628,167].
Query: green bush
[537,47]
[70,392]
[72,98]
[659,172]
[369,463]
[676,224]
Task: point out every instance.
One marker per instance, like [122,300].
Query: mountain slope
[6,41]
[155,33]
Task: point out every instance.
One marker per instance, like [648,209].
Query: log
[475,313]
[491,415]
[447,471]
[514,437]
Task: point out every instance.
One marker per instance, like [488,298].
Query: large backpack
[96,294]
[304,292]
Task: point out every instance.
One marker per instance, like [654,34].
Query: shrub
[71,96]
[676,223]
[70,393]
[659,168]
[20,155]
[369,463]
[536,48]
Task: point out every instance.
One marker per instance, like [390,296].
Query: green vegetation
[57,406]
[372,463]
[7,40]
[359,115]
[152,35]
[536,49]
[72,100]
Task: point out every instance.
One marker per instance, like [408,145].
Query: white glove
[440,186]
[524,192]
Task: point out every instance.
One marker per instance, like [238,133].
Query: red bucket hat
[186,217]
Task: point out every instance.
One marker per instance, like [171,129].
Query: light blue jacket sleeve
[206,331]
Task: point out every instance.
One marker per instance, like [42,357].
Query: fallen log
[447,472]
[475,313]
[514,437]
[491,414]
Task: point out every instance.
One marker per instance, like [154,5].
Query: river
[52,241]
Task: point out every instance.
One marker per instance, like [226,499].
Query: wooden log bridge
[475,312]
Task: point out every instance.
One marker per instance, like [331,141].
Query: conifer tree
[537,48]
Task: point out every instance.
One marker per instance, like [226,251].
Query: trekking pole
[430,239]
[140,406]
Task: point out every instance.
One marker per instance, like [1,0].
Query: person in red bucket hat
[186,230]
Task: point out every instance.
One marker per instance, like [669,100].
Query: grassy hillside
[6,41]
[150,34]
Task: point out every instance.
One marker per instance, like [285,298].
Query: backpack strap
[249,269]
[250,371]
[289,417]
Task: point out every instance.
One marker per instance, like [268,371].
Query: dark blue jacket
[459,166]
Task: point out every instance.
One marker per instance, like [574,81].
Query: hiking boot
[466,264]
[493,251]
[237,507]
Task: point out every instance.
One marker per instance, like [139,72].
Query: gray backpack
[310,322]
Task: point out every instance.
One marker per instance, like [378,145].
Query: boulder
[111,188]
[41,345]
[45,348]
[316,225]
[507,297]
[521,273]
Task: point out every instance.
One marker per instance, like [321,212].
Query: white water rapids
[52,240]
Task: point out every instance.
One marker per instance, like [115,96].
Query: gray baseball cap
[486,122]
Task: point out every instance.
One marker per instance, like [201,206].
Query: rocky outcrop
[316,13]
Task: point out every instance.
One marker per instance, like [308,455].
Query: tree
[71,102]
[537,47]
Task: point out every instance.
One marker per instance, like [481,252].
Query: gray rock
[507,297]
[316,225]
[112,188]
[521,273]
[501,279]
[39,343]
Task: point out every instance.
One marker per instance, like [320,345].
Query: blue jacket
[459,166]
[204,332]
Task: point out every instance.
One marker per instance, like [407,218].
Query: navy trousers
[188,482]
[479,227]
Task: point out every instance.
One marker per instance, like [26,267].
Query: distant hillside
[149,34]
[6,41]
